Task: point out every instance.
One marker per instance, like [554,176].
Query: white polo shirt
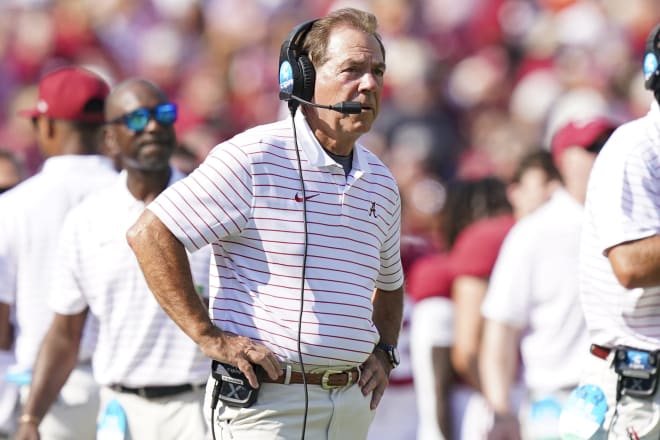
[534,287]
[246,200]
[138,344]
[31,215]
[623,204]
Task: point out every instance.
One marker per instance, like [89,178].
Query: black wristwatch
[392,353]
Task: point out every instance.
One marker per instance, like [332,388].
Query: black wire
[214,402]
[214,398]
[292,109]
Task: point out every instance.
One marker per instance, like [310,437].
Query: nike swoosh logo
[299,198]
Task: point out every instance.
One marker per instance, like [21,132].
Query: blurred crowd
[472,87]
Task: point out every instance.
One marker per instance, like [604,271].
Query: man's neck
[146,185]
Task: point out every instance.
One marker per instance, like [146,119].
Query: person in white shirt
[531,309]
[620,278]
[12,172]
[152,375]
[68,119]
[305,228]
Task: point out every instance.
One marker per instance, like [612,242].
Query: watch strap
[390,350]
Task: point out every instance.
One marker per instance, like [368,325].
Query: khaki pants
[338,414]
[640,414]
[167,418]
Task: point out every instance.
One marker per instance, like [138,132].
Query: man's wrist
[504,416]
[30,419]
[384,360]
[391,353]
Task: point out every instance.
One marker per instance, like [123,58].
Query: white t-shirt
[138,344]
[623,204]
[534,287]
[30,220]
[246,200]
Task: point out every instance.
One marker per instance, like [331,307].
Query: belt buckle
[326,378]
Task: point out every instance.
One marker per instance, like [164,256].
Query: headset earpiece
[651,65]
[308,78]
[297,74]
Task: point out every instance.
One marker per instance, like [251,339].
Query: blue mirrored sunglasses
[137,120]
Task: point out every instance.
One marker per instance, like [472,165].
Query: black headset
[297,74]
[651,66]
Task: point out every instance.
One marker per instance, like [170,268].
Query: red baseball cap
[580,133]
[72,94]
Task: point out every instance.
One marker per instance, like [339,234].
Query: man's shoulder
[262,136]
[376,165]
[29,192]
[640,132]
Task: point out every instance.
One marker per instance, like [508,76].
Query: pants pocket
[639,414]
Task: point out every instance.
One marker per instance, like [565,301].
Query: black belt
[155,392]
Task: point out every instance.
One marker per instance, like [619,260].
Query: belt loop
[287,375]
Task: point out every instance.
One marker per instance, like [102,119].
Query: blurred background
[471,85]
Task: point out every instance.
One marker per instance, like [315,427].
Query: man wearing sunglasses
[68,121]
[152,375]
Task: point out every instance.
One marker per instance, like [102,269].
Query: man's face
[533,190]
[148,149]
[353,72]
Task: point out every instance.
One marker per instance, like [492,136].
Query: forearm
[498,365]
[57,357]
[468,293]
[637,263]
[443,382]
[6,329]
[388,314]
[166,268]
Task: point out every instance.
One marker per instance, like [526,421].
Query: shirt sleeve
[429,277]
[65,295]
[475,251]
[213,202]
[626,196]
[509,290]
[391,269]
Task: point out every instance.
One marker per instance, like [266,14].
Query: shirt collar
[129,199]
[317,156]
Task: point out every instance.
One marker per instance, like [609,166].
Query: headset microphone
[346,107]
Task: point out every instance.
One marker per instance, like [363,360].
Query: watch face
[394,355]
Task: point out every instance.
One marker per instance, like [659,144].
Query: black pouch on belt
[637,372]
[235,390]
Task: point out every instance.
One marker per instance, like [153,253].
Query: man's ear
[109,145]
[51,127]
[45,127]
